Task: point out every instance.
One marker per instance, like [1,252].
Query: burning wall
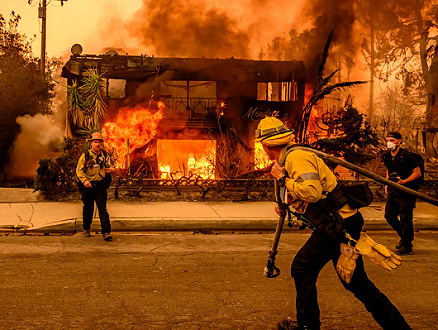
[184,114]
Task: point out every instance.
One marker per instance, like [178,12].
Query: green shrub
[56,177]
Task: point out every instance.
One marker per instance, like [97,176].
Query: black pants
[396,207]
[97,193]
[313,256]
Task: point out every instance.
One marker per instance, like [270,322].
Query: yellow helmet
[272,128]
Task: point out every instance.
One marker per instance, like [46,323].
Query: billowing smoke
[247,29]
[307,45]
[189,29]
[196,28]
[41,137]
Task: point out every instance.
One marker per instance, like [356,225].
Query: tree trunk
[430,76]
[372,59]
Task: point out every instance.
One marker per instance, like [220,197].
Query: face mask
[391,145]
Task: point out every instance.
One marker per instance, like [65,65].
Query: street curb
[419,224]
[237,224]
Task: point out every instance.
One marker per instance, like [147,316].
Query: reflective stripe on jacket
[94,171]
[310,178]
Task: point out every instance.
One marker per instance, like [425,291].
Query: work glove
[281,211]
[346,262]
[377,253]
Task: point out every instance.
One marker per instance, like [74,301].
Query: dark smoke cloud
[308,45]
[187,29]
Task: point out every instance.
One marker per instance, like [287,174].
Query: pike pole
[271,270]
[371,175]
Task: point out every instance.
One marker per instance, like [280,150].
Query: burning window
[189,158]
[277,91]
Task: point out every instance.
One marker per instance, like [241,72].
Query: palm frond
[325,81]
[74,103]
[94,97]
[324,56]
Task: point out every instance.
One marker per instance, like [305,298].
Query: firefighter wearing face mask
[308,180]
[402,168]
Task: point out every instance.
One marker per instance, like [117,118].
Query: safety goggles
[265,133]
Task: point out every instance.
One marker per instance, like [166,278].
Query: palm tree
[86,102]
[322,89]
[75,102]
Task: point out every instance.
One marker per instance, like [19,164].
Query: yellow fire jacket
[94,168]
[309,180]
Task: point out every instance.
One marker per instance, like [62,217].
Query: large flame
[138,124]
[261,159]
[189,158]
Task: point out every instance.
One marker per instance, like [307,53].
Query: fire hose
[271,270]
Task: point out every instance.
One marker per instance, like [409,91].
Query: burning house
[190,115]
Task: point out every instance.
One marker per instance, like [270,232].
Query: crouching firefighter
[94,170]
[312,190]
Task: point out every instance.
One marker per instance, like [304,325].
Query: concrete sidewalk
[22,210]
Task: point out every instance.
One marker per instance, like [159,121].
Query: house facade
[216,100]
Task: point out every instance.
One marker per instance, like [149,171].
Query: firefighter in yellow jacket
[94,170]
[308,181]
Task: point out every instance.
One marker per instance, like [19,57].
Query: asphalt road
[186,281]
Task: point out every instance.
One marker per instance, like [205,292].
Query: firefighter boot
[288,324]
[107,237]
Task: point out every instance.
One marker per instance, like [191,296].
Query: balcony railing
[194,107]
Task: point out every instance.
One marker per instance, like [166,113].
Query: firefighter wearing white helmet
[94,170]
[311,187]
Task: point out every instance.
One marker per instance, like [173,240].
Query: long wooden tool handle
[270,270]
[371,175]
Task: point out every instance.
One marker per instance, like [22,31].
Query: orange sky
[96,24]
[70,24]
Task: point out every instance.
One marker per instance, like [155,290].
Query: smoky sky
[188,29]
[203,28]
[308,44]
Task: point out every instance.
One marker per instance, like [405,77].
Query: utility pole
[372,67]
[42,13]
[372,73]
[42,10]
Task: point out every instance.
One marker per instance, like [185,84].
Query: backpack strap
[289,149]
[88,159]
[403,151]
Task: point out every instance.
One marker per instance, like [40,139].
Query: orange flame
[261,159]
[138,124]
[308,92]
[313,129]
[177,158]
